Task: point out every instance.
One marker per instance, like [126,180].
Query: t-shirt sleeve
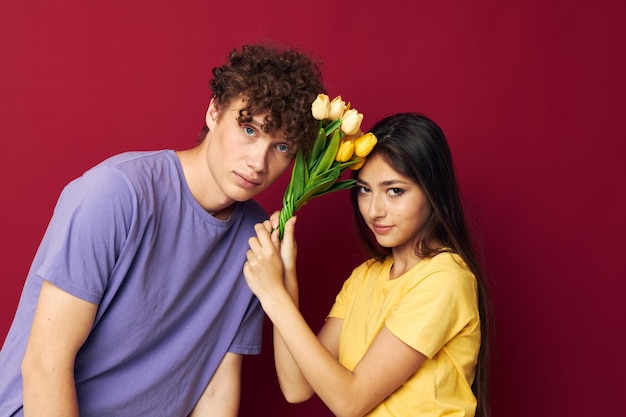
[86,233]
[339,308]
[249,335]
[434,311]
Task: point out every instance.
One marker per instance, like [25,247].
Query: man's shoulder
[253,212]
[136,167]
[136,157]
[120,174]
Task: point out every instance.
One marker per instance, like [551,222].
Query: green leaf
[341,185]
[351,162]
[319,186]
[332,127]
[332,172]
[312,192]
[289,191]
[328,156]
[299,175]
[337,186]
[318,145]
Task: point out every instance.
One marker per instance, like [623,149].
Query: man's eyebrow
[250,121]
[258,124]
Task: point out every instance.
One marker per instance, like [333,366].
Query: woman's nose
[376,207]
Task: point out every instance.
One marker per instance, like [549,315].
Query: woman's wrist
[273,302]
[291,282]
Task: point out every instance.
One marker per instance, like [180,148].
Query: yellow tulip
[337,107]
[346,150]
[321,107]
[364,145]
[351,121]
[358,165]
[356,135]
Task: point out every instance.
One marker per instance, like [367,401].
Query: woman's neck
[402,262]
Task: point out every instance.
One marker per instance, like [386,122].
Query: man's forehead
[256,119]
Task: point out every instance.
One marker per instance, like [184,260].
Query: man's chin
[245,194]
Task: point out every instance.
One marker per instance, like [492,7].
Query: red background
[529,93]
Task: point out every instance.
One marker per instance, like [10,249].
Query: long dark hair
[416,147]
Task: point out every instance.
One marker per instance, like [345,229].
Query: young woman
[408,333]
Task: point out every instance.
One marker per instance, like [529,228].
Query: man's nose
[257,159]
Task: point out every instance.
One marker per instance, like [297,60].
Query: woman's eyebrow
[392,182]
[385,183]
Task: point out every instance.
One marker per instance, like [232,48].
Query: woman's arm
[60,326]
[387,364]
[293,384]
[292,381]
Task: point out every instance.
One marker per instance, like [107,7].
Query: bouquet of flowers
[340,145]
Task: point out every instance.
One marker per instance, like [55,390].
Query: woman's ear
[211,114]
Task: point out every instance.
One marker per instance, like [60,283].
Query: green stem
[286,212]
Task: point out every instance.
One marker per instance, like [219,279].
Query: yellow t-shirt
[433,308]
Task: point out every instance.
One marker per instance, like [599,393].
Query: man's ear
[211,114]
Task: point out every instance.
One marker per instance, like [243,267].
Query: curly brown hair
[280,82]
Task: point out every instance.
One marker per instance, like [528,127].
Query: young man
[135,304]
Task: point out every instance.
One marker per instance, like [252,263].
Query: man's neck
[198,180]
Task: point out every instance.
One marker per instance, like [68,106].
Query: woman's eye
[394,192]
[362,189]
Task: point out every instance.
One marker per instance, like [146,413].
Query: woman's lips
[381,229]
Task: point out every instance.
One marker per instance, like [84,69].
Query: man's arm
[61,324]
[221,396]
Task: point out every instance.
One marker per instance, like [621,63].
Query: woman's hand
[288,246]
[269,258]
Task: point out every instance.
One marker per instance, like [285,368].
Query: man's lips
[247,180]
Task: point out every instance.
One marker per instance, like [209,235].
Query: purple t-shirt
[167,278]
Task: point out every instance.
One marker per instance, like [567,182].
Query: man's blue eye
[248,130]
[283,148]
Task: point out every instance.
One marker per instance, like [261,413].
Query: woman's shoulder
[371,269]
[449,267]
[373,264]
[448,260]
